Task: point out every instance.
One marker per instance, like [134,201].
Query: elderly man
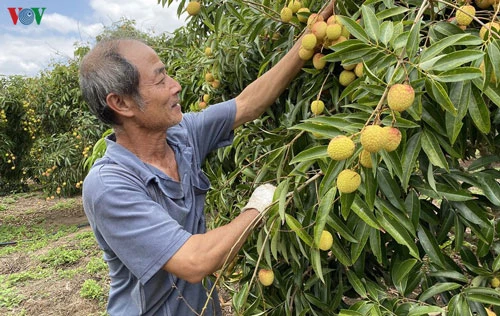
[145,197]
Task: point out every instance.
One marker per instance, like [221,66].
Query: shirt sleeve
[212,128]
[137,229]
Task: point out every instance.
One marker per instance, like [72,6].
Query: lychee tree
[413,208]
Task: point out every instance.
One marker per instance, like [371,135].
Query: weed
[70,273]
[20,277]
[63,205]
[61,256]
[92,290]
[96,265]
[9,297]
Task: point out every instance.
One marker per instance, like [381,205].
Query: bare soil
[57,292]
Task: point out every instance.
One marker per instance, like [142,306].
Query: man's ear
[122,105]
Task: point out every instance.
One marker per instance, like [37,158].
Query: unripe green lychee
[484,31]
[303,14]
[305,54]
[325,241]
[465,14]
[333,31]
[393,138]
[365,159]
[340,147]
[495,282]
[318,61]
[373,138]
[266,277]
[348,181]
[193,8]
[400,97]
[295,5]
[319,30]
[317,107]
[346,77]
[286,14]
[309,41]
[358,70]
[349,66]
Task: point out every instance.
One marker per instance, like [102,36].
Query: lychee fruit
[305,54]
[206,97]
[346,77]
[358,70]
[313,18]
[266,277]
[365,159]
[373,138]
[295,5]
[318,62]
[333,31]
[493,77]
[332,20]
[485,30]
[482,4]
[193,8]
[349,67]
[317,107]
[465,14]
[286,14]
[325,241]
[400,97]
[209,77]
[495,282]
[202,105]
[303,14]
[393,138]
[340,147]
[309,41]
[319,30]
[215,84]
[348,181]
[208,51]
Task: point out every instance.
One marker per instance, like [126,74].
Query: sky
[29,47]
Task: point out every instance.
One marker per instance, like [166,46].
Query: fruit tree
[400,166]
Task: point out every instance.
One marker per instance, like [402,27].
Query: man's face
[159,92]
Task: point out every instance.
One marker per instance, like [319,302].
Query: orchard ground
[50,263]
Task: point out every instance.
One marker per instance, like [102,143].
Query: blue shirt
[141,217]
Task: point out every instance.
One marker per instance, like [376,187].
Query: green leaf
[316,152]
[438,289]
[439,94]
[479,112]
[390,188]
[363,233]
[437,47]
[459,74]
[491,188]
[452,60]
[424,310]
[324,208]
[298,229]
[431,247]
[447,274]
[364,212]
[387,13]
[413,42]
[410,154]
[370,22]
[495,266]
[400,272]
[282,190]
[431,147]
[316,263]
[399,233]
[346,200]
[386,32]
[354,28]
[460,95]
[356,283]
[338,225]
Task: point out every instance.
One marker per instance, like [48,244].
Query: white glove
[261,198]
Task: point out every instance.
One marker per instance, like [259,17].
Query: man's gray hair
[103,71]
